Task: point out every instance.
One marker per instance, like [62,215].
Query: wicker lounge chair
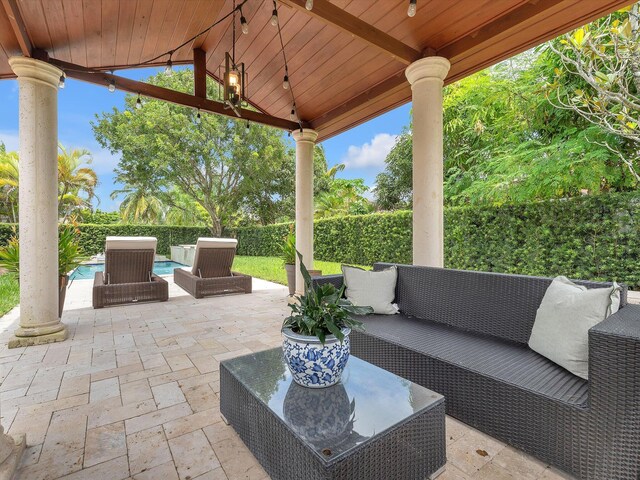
[211,273]
[128,273]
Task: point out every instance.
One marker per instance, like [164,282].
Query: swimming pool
[89,270]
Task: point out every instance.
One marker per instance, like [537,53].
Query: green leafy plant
[322,311]
[10,256]
[69,251]
[288,253]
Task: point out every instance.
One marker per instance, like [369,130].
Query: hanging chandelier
[234,78]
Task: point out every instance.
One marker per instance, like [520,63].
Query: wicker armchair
[128,273]
[211,273]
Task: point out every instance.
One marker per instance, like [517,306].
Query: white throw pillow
[563,320]
[374,289]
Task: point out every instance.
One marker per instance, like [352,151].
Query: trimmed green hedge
[591,237]
[260,241]
[93,236]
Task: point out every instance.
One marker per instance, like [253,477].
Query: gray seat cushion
[505,361]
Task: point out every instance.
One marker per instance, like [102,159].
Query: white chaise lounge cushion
[205,242]
[372,289]
[563,320]
[131,243]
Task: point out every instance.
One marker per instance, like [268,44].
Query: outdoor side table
[372,425]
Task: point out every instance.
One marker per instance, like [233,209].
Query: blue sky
[362,149]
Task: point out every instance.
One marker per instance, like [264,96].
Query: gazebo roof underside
[346,57]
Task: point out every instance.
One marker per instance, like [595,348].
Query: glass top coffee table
[371,425]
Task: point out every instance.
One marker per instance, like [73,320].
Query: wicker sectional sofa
[464,334]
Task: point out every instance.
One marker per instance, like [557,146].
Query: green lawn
[9,293]
[271,268]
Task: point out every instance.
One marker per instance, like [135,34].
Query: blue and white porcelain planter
[313,364]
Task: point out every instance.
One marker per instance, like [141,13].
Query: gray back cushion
[500,305]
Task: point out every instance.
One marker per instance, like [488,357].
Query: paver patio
[134,393]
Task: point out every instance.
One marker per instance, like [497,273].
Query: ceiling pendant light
[168,69]
[243,24]
[412,8]
[274,18]
[61,81]
[112,86]
[198,118]
[285,82]
[293,116]
[309,5]
[138,103]
[234,78]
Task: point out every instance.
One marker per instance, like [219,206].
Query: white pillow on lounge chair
[563,320]
[205,243]
[130,243]
[372,289]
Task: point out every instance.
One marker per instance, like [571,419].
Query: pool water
[89,270]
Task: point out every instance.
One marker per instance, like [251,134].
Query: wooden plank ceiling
[346,57]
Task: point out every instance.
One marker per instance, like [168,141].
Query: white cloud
[103,161]
[371,154]
[10,139]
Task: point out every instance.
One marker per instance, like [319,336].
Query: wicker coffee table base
[414,449]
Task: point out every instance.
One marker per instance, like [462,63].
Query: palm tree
[139,205]
[331,173]
[9,183]
[76,184]
[329,204]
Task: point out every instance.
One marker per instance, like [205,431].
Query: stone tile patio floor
[133,393]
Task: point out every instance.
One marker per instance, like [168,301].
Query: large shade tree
[599,79]
[231,169]
[504,142]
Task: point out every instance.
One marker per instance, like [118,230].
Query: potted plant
[288,255]
[289,259]
[316,334]
[69,257]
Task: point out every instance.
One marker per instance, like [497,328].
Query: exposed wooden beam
[158,64]
[18,26]
[200,72]
[329,13]
[470,43]
[369,95]
[160,93]
[458,50]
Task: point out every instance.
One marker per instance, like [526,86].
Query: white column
[305,143]
[426,77]
[38,202]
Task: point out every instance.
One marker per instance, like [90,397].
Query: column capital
[305,135]
[427,67]
[36,71]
